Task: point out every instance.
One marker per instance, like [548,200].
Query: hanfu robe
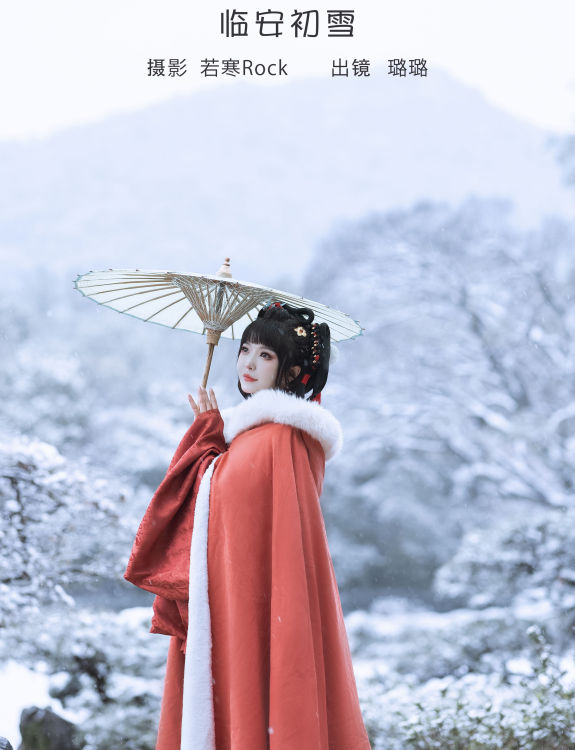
[234,546]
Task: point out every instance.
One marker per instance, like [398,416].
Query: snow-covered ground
[412,666]
[21,688]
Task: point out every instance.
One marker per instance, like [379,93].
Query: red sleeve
[205,432]
[160,556]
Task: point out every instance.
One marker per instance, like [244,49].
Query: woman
[259,657]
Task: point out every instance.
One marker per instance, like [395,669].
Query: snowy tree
[457,401]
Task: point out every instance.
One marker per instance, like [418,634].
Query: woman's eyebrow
[262,346]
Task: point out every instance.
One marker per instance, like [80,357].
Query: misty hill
[262,173]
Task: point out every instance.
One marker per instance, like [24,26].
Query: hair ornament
[314,346]
[300,330]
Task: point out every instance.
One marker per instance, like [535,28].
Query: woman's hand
[206,401]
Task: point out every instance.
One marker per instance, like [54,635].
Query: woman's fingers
[213,399]
[193,404]
[202,398]
[206,401]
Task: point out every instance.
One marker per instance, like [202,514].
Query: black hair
[281,327]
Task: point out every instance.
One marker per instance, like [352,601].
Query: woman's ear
[294,372]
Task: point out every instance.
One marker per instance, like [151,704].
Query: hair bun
[283,311]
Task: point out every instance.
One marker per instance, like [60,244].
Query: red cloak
[281,669]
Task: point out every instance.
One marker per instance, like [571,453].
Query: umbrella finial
[224,271]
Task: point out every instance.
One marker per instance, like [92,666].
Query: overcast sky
[67,62]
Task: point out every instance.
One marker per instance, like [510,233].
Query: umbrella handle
[208,364]
[212,338]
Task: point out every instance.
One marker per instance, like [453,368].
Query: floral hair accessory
[300,330]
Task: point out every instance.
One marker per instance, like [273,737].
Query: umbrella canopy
[215,305]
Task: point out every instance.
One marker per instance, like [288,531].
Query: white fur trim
[198,731]
[284,408]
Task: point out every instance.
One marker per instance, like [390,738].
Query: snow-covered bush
[58,526]
[527,561]
[476,712]
[106,670]
[431,645]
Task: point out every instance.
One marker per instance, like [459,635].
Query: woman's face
[257,367]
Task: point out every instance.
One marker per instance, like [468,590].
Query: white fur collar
[284,408]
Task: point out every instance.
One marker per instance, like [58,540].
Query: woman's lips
[249,378]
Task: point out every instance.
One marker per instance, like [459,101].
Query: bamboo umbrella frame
[210,305]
